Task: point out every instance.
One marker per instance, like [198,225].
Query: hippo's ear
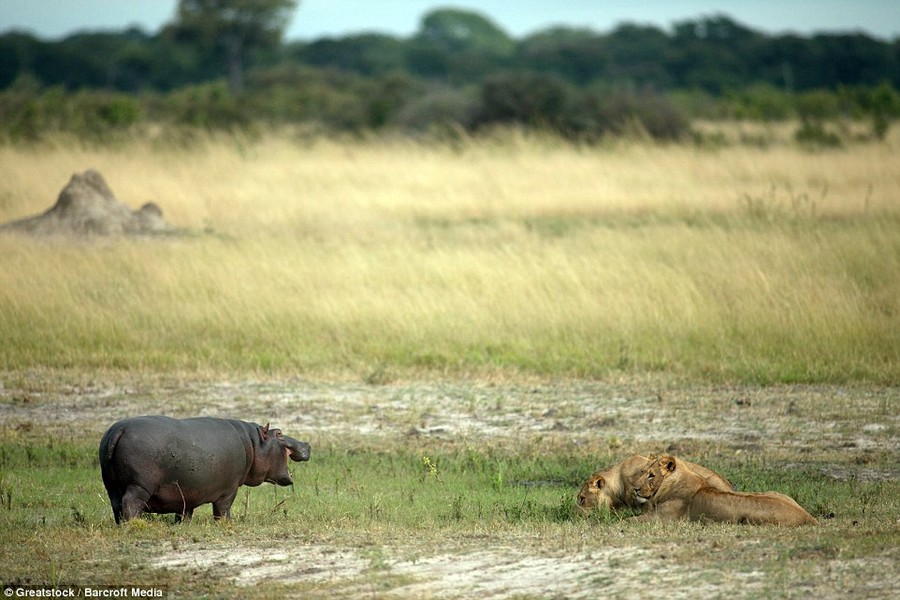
[264,433]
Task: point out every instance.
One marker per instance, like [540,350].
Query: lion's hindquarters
[766,508]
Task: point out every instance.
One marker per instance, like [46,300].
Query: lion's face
[651,476]
[591,494]
[609,489]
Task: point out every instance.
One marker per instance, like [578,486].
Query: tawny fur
[669,489]
[611,488]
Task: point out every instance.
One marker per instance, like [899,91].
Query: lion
[611,488]
[667,488]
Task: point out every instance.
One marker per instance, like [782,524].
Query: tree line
[217,68]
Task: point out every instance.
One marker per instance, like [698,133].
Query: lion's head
[591,494]
[609,489]
[651,476]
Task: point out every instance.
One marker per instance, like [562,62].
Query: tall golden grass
[504,255]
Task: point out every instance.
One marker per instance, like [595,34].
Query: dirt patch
[250,566]
[86,206]
[859,422]
[502,572]
[523,570]
[506,573]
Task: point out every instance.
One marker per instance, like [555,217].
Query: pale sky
[51,19]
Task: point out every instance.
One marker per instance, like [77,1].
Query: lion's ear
[667,463]
[600,483]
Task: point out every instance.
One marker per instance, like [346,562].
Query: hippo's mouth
[301,456]
[284,480]
[296,451]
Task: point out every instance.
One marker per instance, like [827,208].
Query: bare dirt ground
[816,417]
[861,424]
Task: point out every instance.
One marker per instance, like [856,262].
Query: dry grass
[513,253]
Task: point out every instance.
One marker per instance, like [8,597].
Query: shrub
[818,105]
[814,135]
[620,113]
[208,106]
[118,111]
[760,103]
[524,98]
[439,108]
[28,115]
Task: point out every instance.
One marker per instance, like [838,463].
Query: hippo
[158,464]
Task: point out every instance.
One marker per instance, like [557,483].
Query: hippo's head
[275,448]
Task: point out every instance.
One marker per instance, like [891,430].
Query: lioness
[611,488]
[667,489]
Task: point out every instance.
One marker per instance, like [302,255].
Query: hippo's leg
[222,506]
[134,501]
[185,516]
[116,500]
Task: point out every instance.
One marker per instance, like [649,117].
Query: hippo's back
[152,450]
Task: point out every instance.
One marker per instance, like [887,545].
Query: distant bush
[599,114]
[96,115]
[334,99]
[208,106]
[759,103]
[818,105]
[544,101]
[100,112]
[653,113]
[440,108]
[881,104]
[386,96]
[524,98]
[814,135]
[20,117]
